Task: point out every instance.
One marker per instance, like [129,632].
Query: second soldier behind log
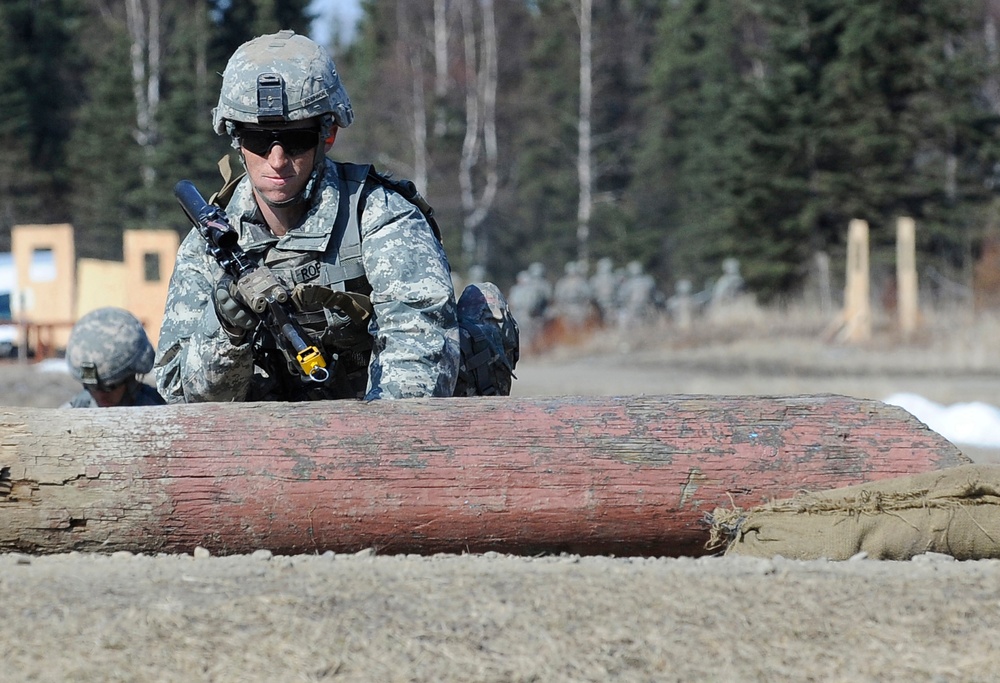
[109,353]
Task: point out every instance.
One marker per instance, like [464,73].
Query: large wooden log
[624,475]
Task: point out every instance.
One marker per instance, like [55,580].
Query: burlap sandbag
[954,511]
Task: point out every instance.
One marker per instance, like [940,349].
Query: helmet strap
[132,388]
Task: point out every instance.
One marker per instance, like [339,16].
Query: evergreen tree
[238,22]
[864,108]
[17,182]
[189,147]
[104,157]
[692,138]
[619,117]
[39,68]
[541,223]
[749,128]
[197,37]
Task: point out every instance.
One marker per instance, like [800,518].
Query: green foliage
[237,21]
[39,69]
[693,138]
[544,178]
[863,109]
[104,157]
[188,147]
[109,191]
[747,128]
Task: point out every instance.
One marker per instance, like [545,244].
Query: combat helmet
[278,78]
[108,346]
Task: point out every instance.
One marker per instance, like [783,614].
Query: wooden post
[906,276]
[857,302]
[619,475]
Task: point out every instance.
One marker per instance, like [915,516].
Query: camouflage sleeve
[416,349]
[195,361]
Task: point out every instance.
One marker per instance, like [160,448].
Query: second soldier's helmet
[108,346]
[280,77]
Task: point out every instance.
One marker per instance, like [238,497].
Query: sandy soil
[559,618]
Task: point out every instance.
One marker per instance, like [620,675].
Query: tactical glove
[310,297]
[235,317]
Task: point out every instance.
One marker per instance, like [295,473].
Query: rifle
[255,283]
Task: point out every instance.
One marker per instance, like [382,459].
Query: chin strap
[132,391]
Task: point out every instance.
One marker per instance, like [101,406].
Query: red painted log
[624,476]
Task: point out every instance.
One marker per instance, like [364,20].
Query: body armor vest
[331,260]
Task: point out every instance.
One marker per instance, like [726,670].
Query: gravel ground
[496,618]
[365,617]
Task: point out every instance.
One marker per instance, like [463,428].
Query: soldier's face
[108,397]
[279,159]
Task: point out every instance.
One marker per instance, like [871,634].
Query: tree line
[674,132]
[109,104]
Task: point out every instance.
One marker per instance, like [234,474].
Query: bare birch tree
[413,49]
[480,127]
[584,163]
[143,21]
[440,67]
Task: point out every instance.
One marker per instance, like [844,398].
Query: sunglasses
[295,142]
[103,388]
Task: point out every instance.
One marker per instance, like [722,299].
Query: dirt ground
[366,617]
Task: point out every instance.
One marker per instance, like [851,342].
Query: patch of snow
[972,424]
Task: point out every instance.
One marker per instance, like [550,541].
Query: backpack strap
[409,191]
[352,182]
[229,183]
[354,179]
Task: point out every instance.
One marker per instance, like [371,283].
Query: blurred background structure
[46,288]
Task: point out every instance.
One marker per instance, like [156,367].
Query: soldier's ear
[331,138]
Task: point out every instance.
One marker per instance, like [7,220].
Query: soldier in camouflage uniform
[638,297]
[573,299]
[109,352]
[605,284]
[323,229]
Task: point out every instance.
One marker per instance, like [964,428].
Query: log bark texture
[612,475]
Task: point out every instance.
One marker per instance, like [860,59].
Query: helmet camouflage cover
[107,346]
[280,77]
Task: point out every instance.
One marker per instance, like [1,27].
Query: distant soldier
[681,305]
[538,278]
[530,300]
[573,300]
[730,285]
[109,352]
[605,285]
[731,303]
[527,304]
[638,297]
[526,298]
